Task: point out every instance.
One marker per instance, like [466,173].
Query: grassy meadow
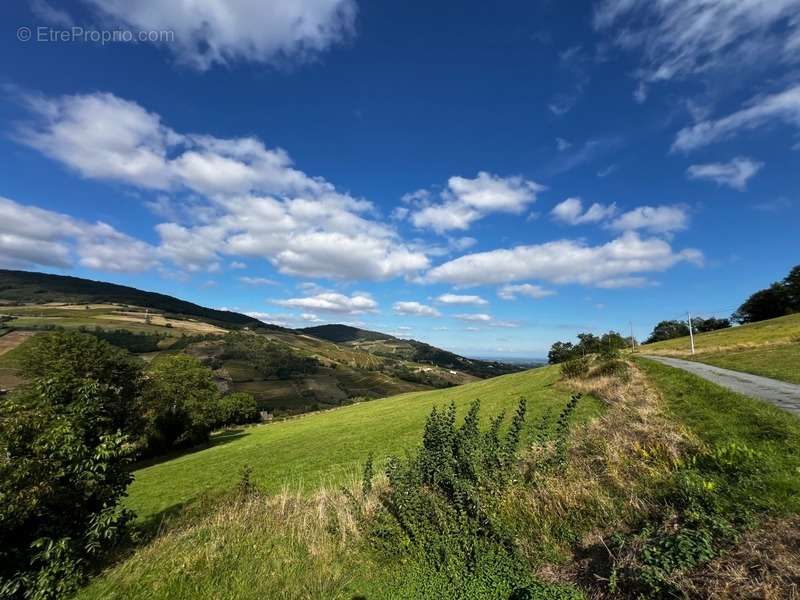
[629,470]
[768,348]
[328,448]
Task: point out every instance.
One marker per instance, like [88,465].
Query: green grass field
[778,362]
[782,330]
[718,416]
[768,348]
[330,447]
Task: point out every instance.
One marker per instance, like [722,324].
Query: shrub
[440,511]
[711,499]
[612,367]
[63,474]
[575,368]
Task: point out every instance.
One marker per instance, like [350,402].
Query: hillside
[306,529]
[770,348]
[327,448]
[25,287]
[345,333]
[381,344]
[351,363]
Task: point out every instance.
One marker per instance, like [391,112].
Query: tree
[667,330]
[710,324]
[588,343]
[63,473]
[764,304]
[237,408]
[561,352]
[67,359]
[182,403]
[779,299]
[612,341]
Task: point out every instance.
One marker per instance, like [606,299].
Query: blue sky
[485,178]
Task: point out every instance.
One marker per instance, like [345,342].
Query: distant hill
[340,334]
[352,362]
[382,344]
[25,287]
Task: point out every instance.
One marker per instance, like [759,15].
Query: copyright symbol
[24,34]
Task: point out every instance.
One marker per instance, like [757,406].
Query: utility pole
[633,340]
[691,334]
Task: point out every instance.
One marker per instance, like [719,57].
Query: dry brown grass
[764,565]
[615,463]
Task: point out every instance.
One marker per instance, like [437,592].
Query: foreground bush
[440,512]
[62,476]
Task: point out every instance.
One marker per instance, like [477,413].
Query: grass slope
[769,348]
[778,362]
[718,416]
[328,447]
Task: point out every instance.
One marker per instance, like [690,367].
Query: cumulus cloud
[209,33]
[461,299]
[253,201]
[333,302]
[571,211]
[464,201]
[511,291]
[781,107]
[656,219]
[564,262]
[31,236]
[680,38]
[415,309]
[735,173]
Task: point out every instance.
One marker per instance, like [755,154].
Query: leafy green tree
[63,473]
[237,408]
[561,352]
[67,359]
[710,324]
[182,403]
[779,299]
[667,330]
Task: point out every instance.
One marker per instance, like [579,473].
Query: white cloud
[680,38]
[254,202]
[782,107]
[562,144]
[31,236]
[656,219]
[416,309]
[333,302]
[486,320]
[564,262]
[571,211]
[209,33]
[482,317]
[256,281]
[511,291]
[467,200]
[735,173]
[461,299]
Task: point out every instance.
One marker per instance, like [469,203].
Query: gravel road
[781,394]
